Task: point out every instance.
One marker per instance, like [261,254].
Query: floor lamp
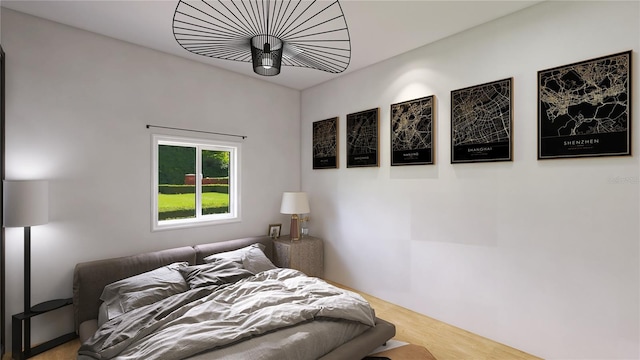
[26,204]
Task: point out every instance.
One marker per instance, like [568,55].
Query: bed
[211,318]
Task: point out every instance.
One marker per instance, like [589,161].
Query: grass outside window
[177,206]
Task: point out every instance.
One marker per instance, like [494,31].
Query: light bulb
[267,62]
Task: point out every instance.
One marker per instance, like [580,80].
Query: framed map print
[412,132]
[362,138]
[481,118]
[584,109]
[325,144]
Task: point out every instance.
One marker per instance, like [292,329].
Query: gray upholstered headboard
[90,278]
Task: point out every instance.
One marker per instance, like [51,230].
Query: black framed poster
[584,109]
[362,138]
[325,144]
[481,122]
[412,132]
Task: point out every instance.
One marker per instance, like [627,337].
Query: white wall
[539,255]
[77,105]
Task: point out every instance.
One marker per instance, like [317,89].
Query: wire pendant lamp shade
[266,33]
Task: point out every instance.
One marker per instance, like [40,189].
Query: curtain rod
[198,131]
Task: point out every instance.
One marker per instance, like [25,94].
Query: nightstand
[18,337]
[306,254]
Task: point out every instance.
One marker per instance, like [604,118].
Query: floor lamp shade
[26,203]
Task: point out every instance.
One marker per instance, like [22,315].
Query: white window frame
[234,149]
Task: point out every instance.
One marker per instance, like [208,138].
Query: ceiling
[378,29]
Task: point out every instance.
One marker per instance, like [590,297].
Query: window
[195,182]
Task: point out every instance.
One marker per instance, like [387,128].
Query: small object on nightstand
[304,225]
[274,230]
[306,255]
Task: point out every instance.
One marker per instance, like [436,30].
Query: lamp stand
[27,286]
[294,231]
[21,323]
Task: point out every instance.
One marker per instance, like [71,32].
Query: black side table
[21,336]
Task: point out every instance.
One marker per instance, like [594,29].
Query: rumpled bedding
[206,318]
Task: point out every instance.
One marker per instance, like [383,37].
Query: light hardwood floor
[443,341]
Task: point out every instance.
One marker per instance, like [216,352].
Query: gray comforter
[206,318]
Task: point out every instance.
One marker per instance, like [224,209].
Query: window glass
[215,184]
[177,187]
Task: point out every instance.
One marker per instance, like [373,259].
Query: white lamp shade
[294,203]
[26,203]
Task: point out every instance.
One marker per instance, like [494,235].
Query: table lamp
[294,203]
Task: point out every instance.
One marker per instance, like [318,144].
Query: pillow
[143,289]
[103,315]
[256,261]
[216,273]
[235,255]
